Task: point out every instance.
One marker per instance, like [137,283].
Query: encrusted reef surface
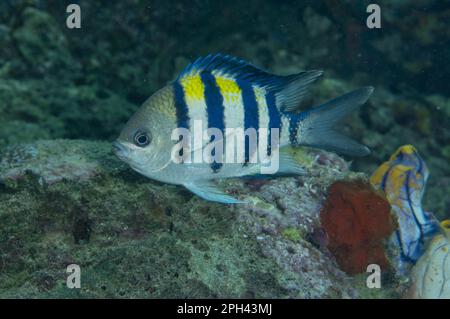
[72,201]
[85,83]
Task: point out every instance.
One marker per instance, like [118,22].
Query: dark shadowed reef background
[62,83]
[84,84]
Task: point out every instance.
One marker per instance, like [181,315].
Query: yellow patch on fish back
[229,89]
[193,88]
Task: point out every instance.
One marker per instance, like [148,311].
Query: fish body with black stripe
[224,92]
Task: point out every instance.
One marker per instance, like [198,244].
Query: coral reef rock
[68,202]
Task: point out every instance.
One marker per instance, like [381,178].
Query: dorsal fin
[227,65]
[295,85]
[290,98]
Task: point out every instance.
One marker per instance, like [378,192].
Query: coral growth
[403,179]
[356,219]
[73,201]
[430,277]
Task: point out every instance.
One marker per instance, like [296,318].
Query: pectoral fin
[207,190]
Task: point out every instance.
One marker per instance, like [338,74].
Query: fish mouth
[120,150]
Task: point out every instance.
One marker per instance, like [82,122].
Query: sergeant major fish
[225,92]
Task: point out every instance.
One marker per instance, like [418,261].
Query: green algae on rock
[72,201]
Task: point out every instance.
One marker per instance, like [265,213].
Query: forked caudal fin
[316,127]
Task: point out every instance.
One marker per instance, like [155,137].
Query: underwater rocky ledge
[72,201]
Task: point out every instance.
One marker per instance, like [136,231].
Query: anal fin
[208,191]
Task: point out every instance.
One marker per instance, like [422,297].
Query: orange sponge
[357,219]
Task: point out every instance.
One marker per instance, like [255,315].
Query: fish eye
[142,139]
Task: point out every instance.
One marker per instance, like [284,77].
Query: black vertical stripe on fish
[274,120]
[214,110]
[181,108]
[251,115]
